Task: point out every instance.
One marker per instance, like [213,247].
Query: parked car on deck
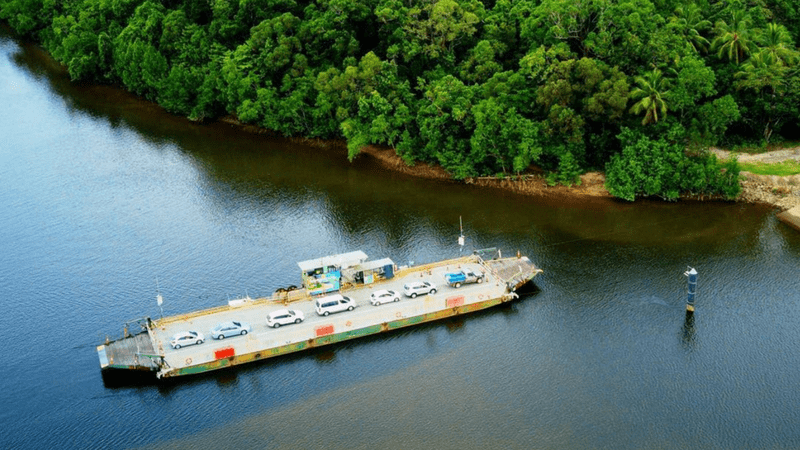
[415,288]
[333,304]
[185,338]
[284,317]
[228,329]
[383,296]
[463,277]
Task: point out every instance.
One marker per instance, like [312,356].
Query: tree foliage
[481,88]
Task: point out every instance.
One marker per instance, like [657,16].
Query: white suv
[284,317]
[333,304]
[415,288]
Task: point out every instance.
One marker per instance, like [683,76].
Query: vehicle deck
[503,277]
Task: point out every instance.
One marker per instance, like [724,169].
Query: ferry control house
[331,273]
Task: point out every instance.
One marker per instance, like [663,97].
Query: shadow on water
[688,335]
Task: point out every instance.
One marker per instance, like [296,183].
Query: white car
[415,288]
[185,338]
[284,317]
[383,296]
[228,329]
[333,304]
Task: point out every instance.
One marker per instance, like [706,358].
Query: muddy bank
[780,192]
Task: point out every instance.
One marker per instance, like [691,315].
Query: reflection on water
[108,199]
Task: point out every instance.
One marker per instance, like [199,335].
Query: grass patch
[781,169]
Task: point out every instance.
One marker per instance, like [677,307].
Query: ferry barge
[148,347]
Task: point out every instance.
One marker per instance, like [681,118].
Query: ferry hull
[335,338]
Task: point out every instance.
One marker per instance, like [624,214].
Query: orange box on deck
[324,330]
[224,353]
[452,302]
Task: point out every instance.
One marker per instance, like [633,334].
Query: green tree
[690,23]
[502,141]
[733,40]
[651,96]
[445,124]
[28,17]
[440,24]
[648,167]
[137,59]
[709,124]
[480,65]
[768,79]
[776,42]
[692,86]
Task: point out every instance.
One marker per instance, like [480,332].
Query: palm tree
[692,21]
[733,40]
[777,42]
[766,76]
[761,71]
[652,96]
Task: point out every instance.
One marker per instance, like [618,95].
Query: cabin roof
[341,260]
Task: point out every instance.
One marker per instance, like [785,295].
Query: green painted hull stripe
[331,339]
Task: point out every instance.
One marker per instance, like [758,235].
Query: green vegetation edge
[638,89]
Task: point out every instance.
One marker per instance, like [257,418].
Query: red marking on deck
[224,353]
[324,330]
[452,302]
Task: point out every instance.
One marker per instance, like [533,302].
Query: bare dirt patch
[781,192]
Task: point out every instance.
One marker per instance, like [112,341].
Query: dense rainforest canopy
[638,88]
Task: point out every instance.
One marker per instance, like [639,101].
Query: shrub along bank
[479,88]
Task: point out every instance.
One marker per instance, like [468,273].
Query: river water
[107,201]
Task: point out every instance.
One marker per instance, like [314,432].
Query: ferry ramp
[134,352]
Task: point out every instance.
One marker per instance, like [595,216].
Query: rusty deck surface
[132,352]
[514,271]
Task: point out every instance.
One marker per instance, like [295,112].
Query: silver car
[284,317]
[383,296]
[185,338]
[415,288]
[228,329]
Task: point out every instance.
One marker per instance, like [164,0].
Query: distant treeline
[638,88]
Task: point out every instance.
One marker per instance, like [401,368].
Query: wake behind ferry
[341,297]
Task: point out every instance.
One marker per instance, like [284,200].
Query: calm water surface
[106,200]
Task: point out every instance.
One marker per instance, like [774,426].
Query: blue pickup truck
[456,279]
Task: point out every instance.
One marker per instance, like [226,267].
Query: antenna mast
[159,299]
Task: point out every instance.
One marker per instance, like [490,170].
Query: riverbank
[781,192]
